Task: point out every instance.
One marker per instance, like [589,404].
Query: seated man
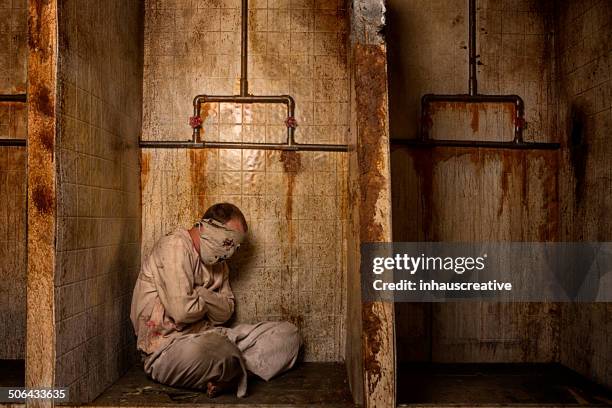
[181,299]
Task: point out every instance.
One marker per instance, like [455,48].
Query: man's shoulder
[175,239]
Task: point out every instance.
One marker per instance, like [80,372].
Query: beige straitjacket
[178,307]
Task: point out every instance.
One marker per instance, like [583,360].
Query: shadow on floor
[497,384]
[306,384]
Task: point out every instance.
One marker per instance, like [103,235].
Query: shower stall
[498,112]
[144,113]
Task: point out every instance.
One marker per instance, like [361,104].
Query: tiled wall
[98,245]
[557,56]
[427,54]
[12,250]
[584,32]
[462,195]
[13,74]
[293,266]
[469,194]
[13,46]
[514,42]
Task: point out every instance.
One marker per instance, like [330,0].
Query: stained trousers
[224,354]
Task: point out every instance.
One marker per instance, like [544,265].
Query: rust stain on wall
[510,111]
[292,164]
[516,164]
[47,140]
[474,109]
[548,172]
[43,199]
[292,317]
[511,162]
[207,109]
[145,159]
[425,162]
[43,101]
[197,171]
[475,122]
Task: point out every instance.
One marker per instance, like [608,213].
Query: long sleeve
[183,301]
[173,275]
[220,305]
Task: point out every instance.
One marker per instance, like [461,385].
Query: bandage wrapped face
[217,242]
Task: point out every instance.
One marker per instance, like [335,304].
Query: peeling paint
[373,344]
[41,175]
[370,82]
[372,124]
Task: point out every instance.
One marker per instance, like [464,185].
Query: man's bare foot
[214,389]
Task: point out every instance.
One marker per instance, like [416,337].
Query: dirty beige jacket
[177,294]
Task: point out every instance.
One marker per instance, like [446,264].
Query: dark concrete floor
[497,384]
[307,384]
[12,373]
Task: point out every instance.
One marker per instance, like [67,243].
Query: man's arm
[220,305]
[183,302]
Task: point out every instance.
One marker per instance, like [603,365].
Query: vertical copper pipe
[473,82]
[195,136]
[244,51]
[290,114]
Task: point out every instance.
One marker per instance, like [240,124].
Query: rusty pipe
[244,49]
[13,98]
[416,143]
[12,142]
[284,99]
[473,79]
[152,144]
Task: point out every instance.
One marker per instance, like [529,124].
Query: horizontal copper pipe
[285,99]
[12,142]
[152,144]
[429,143]
[13,98]
[265,99]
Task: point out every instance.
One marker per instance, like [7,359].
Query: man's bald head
[227,214]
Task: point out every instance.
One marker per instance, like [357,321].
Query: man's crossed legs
[219,358]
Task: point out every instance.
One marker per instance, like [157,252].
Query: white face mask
[217,242]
